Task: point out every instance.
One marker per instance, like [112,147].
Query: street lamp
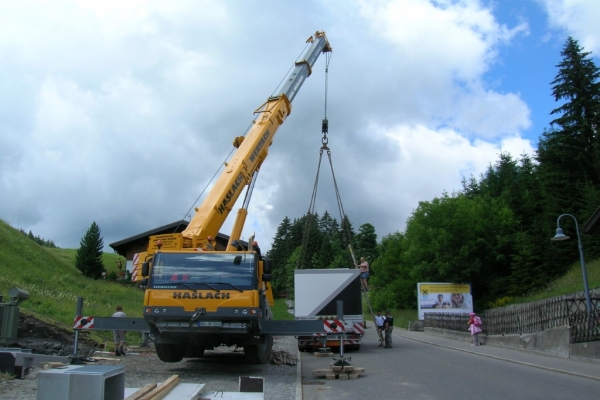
[561,236]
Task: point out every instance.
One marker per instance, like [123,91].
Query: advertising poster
[444,297]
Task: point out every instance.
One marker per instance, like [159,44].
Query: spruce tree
[365,243]
[569,152]
[89,255]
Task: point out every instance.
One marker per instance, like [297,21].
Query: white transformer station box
[317,292]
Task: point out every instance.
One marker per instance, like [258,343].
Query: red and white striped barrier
[83,322]
[134,270]
[359,328]
[333,326]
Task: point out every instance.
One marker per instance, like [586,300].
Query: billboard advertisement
[444,297]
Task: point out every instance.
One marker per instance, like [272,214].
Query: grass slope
[54,283]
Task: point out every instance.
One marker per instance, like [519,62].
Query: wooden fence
[537,316]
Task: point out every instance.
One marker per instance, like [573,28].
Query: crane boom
[250,154]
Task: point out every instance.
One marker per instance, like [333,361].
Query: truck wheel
[259,354]
[194,351]
[169,352]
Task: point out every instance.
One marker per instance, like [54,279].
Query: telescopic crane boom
[251,152]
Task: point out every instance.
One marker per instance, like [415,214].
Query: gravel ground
[218,370]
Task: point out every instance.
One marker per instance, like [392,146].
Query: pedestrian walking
[389,327]
[380,326]
[475,328]
[119,335]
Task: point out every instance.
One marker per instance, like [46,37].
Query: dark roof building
[139,243]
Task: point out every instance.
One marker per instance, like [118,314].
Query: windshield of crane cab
[204,270]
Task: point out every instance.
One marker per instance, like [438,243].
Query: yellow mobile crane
[196,300]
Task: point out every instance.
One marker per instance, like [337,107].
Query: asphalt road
[422,366]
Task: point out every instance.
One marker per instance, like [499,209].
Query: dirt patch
[45,338]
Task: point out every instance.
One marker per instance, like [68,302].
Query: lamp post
[561,236]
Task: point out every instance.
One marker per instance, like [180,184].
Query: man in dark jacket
[389,327]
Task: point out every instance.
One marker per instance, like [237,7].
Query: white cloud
[579,18]
[121,113]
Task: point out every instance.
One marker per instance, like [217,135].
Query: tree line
[39,240]
[495,232]
[315,241]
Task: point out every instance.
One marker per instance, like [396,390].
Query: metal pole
[586,288]
[340,317]
[78,312]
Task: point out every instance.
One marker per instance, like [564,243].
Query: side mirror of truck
[267,277]
[237,260]
[145,269]
[267,266]
[144,283]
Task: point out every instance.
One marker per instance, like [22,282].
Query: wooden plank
[52,365]
[348,368]
[142,392]
[162,390]
[343,377]
[186,391]
[353,376]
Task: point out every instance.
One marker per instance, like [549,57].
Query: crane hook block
[325,125]
[237,142]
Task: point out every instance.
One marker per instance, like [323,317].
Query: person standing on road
[389,327]
[364,273]
[475,328]
[119,335]
[380,325]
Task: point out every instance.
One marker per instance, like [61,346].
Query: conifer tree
[569,152]
[89,255]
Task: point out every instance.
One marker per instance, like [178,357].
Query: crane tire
[170,352]
[261,353]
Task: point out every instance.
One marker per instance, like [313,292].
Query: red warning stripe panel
[359,328]
[82,322]
[333,326]
[134,273]
[135,263]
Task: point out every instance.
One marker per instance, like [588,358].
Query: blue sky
[121,112]
[527,65]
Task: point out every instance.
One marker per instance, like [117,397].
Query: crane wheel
[261,353]
[170,352]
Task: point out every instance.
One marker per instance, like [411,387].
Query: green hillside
[571,282]
[54,283]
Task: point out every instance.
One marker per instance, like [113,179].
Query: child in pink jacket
[475,327]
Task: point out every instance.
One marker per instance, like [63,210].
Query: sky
[121,113]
